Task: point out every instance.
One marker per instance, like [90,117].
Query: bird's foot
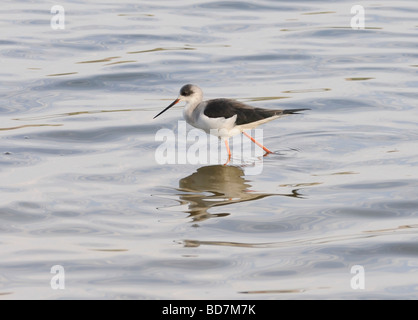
[229,160]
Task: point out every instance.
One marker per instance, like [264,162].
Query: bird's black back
[227,108]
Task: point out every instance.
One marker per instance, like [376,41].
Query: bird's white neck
[191,104]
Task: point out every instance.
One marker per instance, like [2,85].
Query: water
[80,186]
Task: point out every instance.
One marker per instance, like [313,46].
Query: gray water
[80,186]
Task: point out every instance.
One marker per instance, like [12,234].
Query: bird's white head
[189,93]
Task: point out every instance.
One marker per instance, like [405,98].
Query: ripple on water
[125,178]
[243,6]
[18,215]
[103,82]
[273,227]
[90,136]
[390,185]
[18,157]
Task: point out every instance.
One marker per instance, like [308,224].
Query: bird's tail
[293,111]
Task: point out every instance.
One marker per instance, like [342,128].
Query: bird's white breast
[220,127]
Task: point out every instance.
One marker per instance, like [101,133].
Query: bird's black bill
[172,104]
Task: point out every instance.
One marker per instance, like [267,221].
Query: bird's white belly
[220,127]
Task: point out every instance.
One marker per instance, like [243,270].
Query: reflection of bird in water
[215,186]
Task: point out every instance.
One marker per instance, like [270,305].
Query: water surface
[80,186]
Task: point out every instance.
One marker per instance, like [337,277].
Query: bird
[222,117]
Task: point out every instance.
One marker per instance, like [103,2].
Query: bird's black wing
[221,108]
[227,108]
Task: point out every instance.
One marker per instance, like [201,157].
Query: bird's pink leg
[229,151]
[257,143]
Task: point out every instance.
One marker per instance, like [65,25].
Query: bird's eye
[186,91]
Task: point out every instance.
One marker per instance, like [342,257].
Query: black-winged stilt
[224,117]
